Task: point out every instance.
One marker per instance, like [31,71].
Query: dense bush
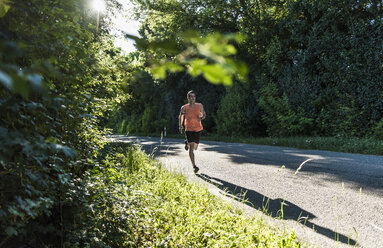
[231,118]
[326,61]
[280,117]
[378,131]
[51,98]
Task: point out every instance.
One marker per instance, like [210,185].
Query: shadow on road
[276,208]
[336,165]
[339,166]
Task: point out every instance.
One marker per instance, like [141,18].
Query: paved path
[339,195]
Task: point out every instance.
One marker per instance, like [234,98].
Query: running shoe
[196,169]
[186,145]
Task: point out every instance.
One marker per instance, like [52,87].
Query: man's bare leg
[191,152]
[193,146]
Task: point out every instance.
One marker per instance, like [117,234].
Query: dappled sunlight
[307,156]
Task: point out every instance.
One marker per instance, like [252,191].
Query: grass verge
[137,203]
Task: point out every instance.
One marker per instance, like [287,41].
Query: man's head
[191,96]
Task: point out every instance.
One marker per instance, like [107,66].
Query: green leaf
[141,43]
[4,7]
[3,132]
[5,80]
[63,178]
[36,82]
[239,66]
[69,152]
[222,49]
[159,71]
[173,67]
[169,46]
[13,210]
[216,74]
[10,231]
[218,44]
[20,86]
[230,49]
[191,36]
[227,81]
[195,66]
[238,37]
[2,213]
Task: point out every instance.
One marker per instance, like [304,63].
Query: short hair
[190,92]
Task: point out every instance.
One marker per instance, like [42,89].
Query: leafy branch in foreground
[4,7]
[210,56]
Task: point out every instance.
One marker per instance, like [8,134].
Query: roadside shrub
[231,117]
[51,95]
[280,118]
[292,124]
[378,130]
[342,121]
[133,124]
[41,166]
[148,117]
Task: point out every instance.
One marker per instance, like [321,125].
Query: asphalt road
[339,195]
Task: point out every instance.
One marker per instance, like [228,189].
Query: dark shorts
[193,136]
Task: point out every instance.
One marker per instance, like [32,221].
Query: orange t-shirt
[192,120]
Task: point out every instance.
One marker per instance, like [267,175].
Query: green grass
[137,203]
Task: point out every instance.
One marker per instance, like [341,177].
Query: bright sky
[98,5]
[123,23]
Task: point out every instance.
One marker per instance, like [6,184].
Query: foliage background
[315,68]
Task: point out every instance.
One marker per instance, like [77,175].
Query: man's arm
[202,111]
[181,119]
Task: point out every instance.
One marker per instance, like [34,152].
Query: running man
[193,113]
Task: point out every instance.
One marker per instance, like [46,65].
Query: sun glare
[98,5]
[123,23]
